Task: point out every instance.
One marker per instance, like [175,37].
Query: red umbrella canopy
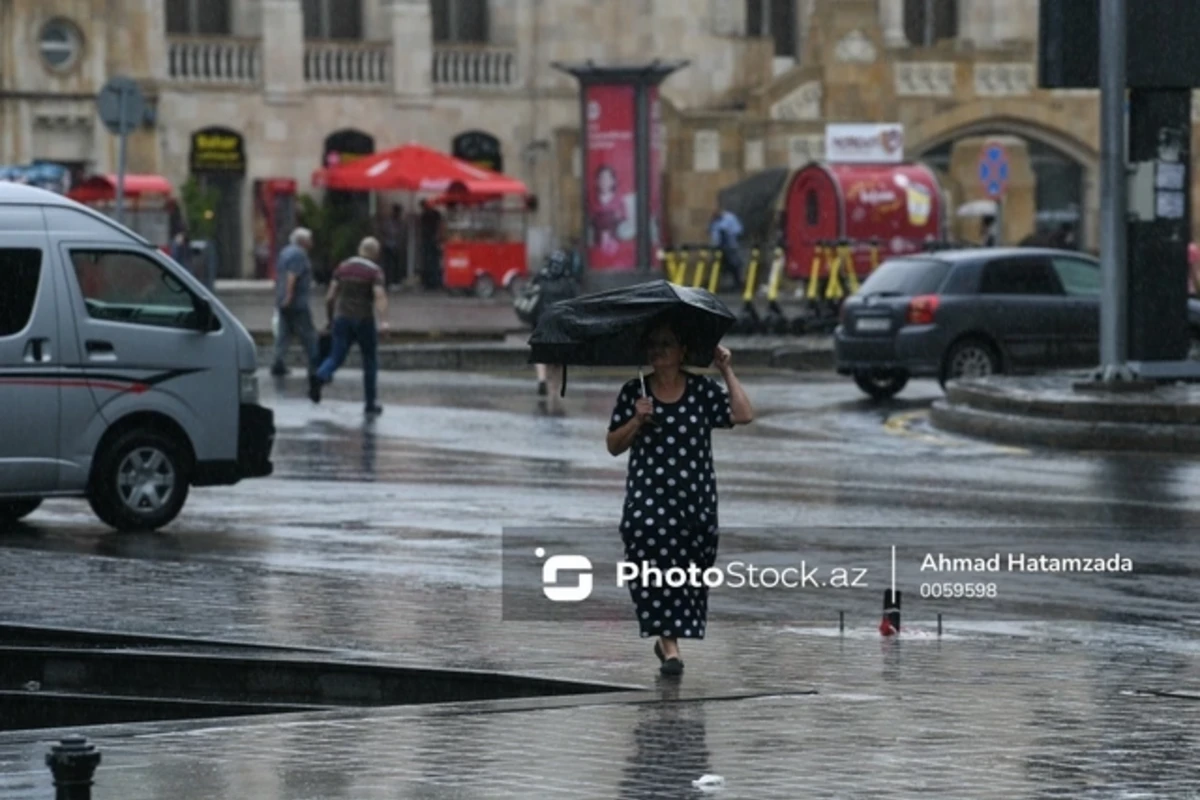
[415,168]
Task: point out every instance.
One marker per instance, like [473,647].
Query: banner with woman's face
[610,178]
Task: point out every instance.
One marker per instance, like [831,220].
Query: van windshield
[906,277]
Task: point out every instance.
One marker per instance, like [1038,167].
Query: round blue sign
[993,170]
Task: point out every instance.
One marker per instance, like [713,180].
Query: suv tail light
[921,310]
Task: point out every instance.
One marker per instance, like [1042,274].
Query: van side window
[20,272]
[121,286]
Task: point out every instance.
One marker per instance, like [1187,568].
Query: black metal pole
[641,149]
[584,178]
[73,763]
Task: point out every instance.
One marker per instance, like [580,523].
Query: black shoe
[542,391]
[314,388]
[279,370]
[672,666]
[373,411]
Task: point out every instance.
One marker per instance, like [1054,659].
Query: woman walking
[670,514]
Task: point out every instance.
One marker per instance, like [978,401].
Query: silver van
[122,379]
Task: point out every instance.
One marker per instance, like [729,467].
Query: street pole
[1113,189]
[122,152]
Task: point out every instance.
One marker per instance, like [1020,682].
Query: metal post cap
[73,760]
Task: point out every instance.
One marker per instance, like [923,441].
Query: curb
[1068,434]
[483,357]
[1119,409]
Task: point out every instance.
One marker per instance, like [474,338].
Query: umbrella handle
[642,378]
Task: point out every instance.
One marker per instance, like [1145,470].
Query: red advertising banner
[611,178]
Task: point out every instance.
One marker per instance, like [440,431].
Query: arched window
[926,22]
[775,19]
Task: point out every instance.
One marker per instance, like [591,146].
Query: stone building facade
[292,78]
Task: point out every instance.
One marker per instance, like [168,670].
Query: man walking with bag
[293,283]
[357,310]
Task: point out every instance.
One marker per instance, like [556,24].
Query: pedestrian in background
[356,306]
[724,233]
[556,280]
[293,286]
[391,234]
[670,517]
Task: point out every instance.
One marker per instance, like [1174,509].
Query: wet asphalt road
[422,494]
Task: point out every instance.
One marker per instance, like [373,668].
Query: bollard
[73,762]
[939,623]
[891,614]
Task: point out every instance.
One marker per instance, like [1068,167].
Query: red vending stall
[898,206]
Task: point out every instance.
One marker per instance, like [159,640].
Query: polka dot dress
[670,515]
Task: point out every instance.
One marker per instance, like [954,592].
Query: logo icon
[593,111]
[567,563]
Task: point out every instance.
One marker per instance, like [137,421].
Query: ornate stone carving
[1004,80]
[802,103]
[925,79]
[855,47]
[805,147]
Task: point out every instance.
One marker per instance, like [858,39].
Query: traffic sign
[121,105]
[993,169]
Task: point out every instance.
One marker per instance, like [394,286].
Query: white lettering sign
[864,144]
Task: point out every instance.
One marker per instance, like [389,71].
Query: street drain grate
[55,678]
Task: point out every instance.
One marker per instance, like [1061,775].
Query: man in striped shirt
[357,299]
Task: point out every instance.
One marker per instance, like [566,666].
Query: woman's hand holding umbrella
[722,358]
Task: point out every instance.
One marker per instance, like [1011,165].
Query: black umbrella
[609,329]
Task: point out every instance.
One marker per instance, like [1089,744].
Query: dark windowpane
[128,287]
[472,21]
[19,274]
[345,19]
[1019,276]
[178,16]
[813,204]
[754,18]
[944,23]
[783,26]
[314,28]
[441,20]
[213,17]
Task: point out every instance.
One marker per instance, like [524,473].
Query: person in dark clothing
[391,236]
[556,280]
[725,231]
[431,246]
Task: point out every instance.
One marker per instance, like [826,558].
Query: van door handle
[35,350]
[98,348]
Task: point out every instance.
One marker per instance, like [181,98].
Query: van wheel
[881,385]
[485,287]
[140,481]
[14,510]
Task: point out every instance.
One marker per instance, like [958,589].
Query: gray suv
[970,313]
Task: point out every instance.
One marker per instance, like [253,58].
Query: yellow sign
[217,150]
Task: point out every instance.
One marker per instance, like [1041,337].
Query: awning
[104,187]
[415,168]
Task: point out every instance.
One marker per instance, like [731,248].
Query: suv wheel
[15,510]
[140,481]
[881,385]
[969,358]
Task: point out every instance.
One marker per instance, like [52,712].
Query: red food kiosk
[898,207]
[484,212]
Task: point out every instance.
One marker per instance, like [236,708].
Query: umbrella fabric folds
[978,208]
[610,328]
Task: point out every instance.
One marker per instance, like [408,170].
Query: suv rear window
[906,277]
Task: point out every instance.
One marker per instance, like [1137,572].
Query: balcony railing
[197,59]
[347,64]
[474,67]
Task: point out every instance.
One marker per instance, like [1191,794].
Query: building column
[412,50]
[891,20]
[283,49]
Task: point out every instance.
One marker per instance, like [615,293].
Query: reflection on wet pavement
[382,537]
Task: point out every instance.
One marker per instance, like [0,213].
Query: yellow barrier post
[851,269]
[714,282]
[751,278]
[701,268]
[874,255]
[814,276]
[833,289]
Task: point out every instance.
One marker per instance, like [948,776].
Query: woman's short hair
[670,323]
[300,235]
